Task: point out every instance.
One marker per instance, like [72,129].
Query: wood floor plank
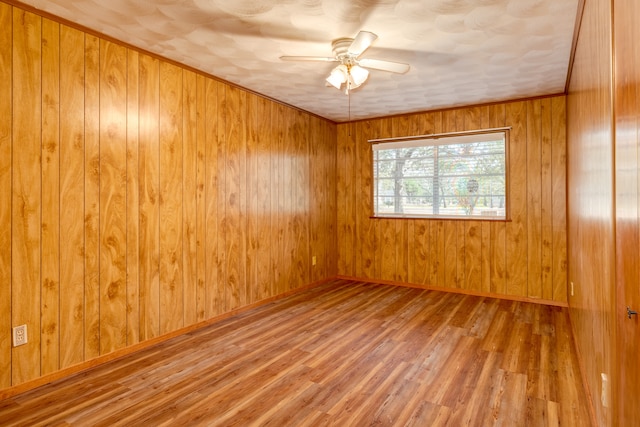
[342,353]
[429,414]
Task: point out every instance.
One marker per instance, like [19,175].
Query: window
[452,176]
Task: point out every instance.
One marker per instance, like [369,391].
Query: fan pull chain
[349,100]
[349,124]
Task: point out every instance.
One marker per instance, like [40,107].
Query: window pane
[458,176]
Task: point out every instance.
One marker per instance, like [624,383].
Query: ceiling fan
[352,70]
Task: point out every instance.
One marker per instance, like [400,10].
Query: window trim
[462,134]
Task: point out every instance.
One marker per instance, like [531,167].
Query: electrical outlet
[604,393]
[313,260]
[19,335]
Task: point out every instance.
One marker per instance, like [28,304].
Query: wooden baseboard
[459,291]
[92,363]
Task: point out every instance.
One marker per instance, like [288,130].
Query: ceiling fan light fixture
[338,76]
[351,84]
[352,71]
[358,74]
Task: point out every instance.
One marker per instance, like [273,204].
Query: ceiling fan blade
[377,64]
[309,58]
[362,41]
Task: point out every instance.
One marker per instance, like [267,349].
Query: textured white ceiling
[461,51]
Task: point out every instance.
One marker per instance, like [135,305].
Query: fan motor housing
[340,47]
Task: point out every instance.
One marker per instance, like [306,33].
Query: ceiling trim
[437,110]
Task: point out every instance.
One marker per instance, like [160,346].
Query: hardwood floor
[341,354]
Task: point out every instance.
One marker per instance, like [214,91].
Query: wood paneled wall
[591,201]
[525,257]
[138,197]
[627,182]
[604,171]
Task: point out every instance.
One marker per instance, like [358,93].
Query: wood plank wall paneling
[149,193]
[92,197]
[26,191]
[591,205]
[525,257]
[211,218]
[138,197]
[133,199]
[235,187]
[498,233]
[251,253]
[627,180]
[189,199]
[285,195]
[301,256]
[323,201]
[6,36]
[277,167]
[346,242]
[201,202]
[113,197]
[72,196]
[365,233]
[559,198]
[220,291]
[50,235]
[533,194]
[546,202]
[262,148]
[516,232]
[171,205]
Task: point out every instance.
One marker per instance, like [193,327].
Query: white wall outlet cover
[604,394]
[19,335]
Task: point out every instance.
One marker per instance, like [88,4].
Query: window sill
[442,218]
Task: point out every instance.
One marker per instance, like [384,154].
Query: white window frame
[444,139]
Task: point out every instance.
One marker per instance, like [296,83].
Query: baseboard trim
[100,360]
[459,291]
